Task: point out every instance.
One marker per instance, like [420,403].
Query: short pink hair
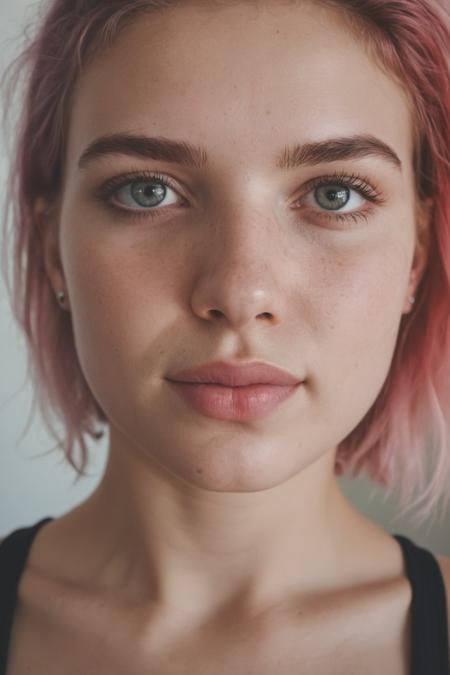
[408,425]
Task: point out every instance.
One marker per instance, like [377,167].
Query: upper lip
[236,375]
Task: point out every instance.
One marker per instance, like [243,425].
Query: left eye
[333,196]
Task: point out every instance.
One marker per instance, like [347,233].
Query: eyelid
[114,184]
[355,181]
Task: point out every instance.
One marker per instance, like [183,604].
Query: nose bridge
[248,200]
[246,231]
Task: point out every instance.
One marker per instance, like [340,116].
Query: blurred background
[35,483]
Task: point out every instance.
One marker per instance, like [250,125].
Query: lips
[236,374]
[234,404]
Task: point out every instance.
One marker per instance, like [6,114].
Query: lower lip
[234,403]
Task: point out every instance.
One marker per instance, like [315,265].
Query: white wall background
[34,485]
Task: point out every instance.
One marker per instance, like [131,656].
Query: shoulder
[444,564]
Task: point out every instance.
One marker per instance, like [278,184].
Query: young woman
[231,235]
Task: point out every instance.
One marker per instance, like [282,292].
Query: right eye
[145,190]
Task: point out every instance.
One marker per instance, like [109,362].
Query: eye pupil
[336,194]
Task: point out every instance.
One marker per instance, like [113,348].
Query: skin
[203,519]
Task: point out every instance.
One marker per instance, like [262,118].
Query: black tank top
[429,617]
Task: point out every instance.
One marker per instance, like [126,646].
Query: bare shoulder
[444,564]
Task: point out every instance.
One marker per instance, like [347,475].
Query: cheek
[118,307]
[355,348]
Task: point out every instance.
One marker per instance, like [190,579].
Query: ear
[424,216]
[47,222]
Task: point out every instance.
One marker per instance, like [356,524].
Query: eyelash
[354,181]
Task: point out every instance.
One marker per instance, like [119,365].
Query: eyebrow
[183,153]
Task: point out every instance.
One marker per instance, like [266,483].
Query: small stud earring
[61,297]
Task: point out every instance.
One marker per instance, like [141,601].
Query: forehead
[239,76]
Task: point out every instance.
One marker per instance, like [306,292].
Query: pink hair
[408,425]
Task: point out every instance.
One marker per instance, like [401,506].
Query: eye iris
[336,194]
[145,191]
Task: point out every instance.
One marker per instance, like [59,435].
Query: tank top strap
[429,615]
[14,551]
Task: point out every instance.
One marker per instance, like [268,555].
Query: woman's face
[290,279]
